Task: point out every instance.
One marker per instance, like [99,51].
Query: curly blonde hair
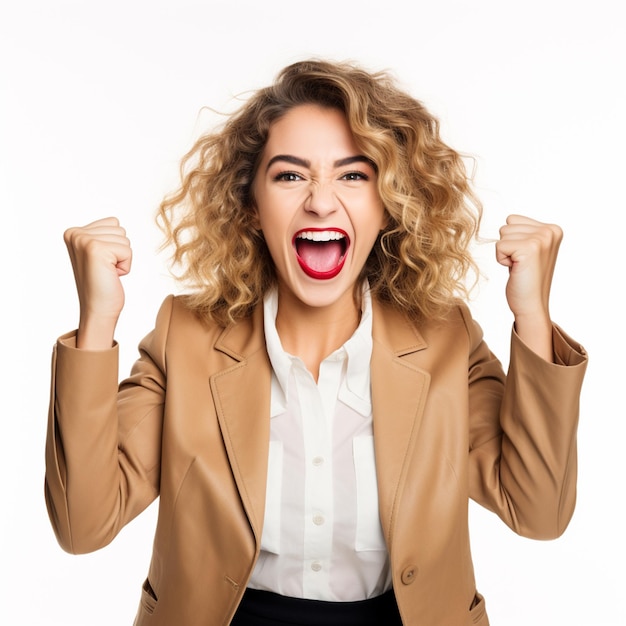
[420,261]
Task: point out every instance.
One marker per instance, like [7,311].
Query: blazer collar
[243,338]
[394,331]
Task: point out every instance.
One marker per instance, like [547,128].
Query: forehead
[311,128]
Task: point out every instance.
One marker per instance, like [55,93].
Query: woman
[315,414]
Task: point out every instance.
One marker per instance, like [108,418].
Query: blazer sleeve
[523,456]
[103,444]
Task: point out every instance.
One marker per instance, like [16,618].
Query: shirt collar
[281,361]
[355,388]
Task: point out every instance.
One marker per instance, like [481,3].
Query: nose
[322,200]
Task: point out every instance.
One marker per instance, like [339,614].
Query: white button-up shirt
[322,537]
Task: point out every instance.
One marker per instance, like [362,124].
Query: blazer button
[409,574]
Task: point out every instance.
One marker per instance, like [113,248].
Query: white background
[100,100]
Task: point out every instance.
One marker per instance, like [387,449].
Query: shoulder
[402,333]
[183,330]
[175,315]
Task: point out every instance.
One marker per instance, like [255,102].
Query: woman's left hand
[529,249]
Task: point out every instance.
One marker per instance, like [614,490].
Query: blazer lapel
[242,399]
[399,391]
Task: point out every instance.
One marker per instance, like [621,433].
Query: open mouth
[321,252]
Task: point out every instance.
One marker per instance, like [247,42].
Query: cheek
[276,234]
[272,224]
[377,209]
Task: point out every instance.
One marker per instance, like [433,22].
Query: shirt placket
[318,488]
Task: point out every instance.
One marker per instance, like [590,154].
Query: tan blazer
[191,425]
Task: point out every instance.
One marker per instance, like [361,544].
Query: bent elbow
[68,538]
[544,527]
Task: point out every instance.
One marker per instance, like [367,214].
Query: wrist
[536,332]
[96,332]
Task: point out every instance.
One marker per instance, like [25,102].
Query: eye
[354,176]
[287,177]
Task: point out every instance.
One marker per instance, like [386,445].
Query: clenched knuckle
[68,235]
[557,232]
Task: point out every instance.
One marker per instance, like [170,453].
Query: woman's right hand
[100,253]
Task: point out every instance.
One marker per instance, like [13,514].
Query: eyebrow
[294,160]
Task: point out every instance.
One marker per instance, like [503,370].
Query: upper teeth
[320,235]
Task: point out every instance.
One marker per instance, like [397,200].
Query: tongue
[320,256]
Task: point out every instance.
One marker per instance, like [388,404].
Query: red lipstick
[321,252]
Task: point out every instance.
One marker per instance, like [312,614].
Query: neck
[312,333]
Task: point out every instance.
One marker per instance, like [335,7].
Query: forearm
[94,484]
[81,447]
[524,467]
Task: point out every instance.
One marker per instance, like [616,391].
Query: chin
[324,294]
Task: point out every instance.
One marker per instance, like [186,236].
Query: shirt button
[409,574]
[316,566]
[318,520]
[318,460]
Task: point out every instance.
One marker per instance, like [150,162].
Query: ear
[254,217]
[252,207]
[386,220]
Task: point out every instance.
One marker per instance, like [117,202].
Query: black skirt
[263,608]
